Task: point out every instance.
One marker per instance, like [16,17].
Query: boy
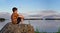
[15,17]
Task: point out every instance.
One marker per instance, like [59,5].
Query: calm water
[42,25]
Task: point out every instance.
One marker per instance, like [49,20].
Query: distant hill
[5,15]
[46,14]
[36,15]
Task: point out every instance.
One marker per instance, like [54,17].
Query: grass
[58,30]
[37,31]
[41,32]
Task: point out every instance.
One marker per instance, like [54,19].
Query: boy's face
[15,11]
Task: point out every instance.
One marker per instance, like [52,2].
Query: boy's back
[14,17]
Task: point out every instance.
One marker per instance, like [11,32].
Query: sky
[29,5]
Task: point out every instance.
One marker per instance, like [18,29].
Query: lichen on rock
[17,28]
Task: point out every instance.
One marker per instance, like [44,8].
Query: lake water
[42,25]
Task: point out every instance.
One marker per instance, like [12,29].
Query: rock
[17,28]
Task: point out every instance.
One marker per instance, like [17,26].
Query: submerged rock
[17,28]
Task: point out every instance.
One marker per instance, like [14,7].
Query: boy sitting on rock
[15,17]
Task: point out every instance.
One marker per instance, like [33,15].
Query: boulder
[17,28]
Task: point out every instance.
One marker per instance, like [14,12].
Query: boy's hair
[14,8]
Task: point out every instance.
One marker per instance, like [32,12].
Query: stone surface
[17,28]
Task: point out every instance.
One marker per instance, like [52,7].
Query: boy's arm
[22,18]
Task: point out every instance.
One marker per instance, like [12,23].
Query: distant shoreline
[43,19]
[2,19]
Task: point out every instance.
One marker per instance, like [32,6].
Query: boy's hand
[21,16]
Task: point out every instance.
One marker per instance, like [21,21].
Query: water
[42,25]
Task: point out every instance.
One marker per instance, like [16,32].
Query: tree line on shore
[3,19]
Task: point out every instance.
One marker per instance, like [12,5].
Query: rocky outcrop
[17,28]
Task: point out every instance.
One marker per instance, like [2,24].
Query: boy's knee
[18,20]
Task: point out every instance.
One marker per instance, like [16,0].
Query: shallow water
[42,25]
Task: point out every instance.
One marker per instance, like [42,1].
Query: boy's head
[14,9]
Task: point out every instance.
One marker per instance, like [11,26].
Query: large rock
[17,28]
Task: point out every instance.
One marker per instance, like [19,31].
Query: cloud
[43,13]
[38,14]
